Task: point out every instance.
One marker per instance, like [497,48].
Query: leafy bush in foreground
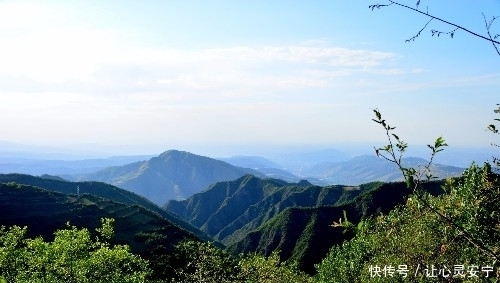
[415,238]
[73,256]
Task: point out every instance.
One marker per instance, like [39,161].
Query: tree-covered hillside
[99,189]
[43,212]
[267,215]
[454,239]
[304,234]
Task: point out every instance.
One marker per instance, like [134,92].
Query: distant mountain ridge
[367,168]
[353,171]
[24,165]
[171,175]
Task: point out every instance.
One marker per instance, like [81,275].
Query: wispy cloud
[83,79]
[91,57]
[42,48]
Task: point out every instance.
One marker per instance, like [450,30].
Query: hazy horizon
[281,154]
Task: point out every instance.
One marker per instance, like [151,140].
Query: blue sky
[155,75]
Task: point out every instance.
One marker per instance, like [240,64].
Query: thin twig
[418,33]
[444,21]
[488,26]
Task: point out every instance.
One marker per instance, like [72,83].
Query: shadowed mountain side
[99,189]
[43,212]
[172,175]
[303,234]
[289,196]
[367,168]
[227,211]
[231,197]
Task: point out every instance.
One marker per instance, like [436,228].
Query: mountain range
[368,168]
[238,207]
[171,175]
[251,214]
[28,165]
[178,175]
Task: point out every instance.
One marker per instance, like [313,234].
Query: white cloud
[42,44]
[65,80]
[69,81]
[237,68]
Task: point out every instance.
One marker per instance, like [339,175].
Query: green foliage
[345,263]
[460,227]
[394,150]
[72,257]
[347,225]
[413,183]
[106,230]
[474,205]
[203,262]
[257,268]
[415,236]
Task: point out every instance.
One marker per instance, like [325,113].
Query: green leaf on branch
[440,142]
[493,128]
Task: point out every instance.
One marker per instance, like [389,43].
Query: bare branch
[418,33]
[378,6]
[490,38]
[444,21]
[451,32]
[488,26]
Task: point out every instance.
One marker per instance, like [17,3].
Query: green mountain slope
[288,196]
[146,232]
[99,189]
[45,211]
[304,234]
[265,215]
[172,175]
[228,199]
[227,211]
